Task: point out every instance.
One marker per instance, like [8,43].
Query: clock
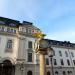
[43,43]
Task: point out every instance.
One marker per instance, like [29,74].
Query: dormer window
[11,30]
[12,24]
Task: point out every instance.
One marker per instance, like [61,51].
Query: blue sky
[56,18]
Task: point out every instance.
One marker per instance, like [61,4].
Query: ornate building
[17,51]
[17,54]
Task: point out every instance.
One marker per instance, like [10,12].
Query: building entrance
[6,68]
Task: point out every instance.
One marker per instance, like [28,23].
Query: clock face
[43,44]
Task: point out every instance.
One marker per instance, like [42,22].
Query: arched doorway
[29,73]
[6,68]
[48,73]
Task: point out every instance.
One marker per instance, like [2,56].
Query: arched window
[56,72]
[48,73]
[64,73]
[29,73]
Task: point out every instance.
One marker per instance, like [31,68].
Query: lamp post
[43,45]
[41,49]
[51,54]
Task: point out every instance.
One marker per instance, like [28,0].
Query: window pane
[47,61]
[68,62]
[30,44]
[60,54]
[29,57]
[66,53]
[72,54]
[9,44]
[74,62]
[56,72]
[62,63]
[55,63]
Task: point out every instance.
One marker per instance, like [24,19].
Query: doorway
[6,68]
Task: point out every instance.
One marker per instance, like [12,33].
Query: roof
[61,43]
[9,22]
[15,23]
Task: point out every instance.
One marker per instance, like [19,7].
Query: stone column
[42,63]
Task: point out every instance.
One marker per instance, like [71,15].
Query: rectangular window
[47,61]
[74,62]
[68,62]
[9,44]
[66,53]
[72,54]
[30,44]
[29,57]
[61,60]
[55,62]
[30,30]
[60,54]
[53,53]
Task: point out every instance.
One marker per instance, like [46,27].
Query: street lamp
[42,50]
[50,53]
